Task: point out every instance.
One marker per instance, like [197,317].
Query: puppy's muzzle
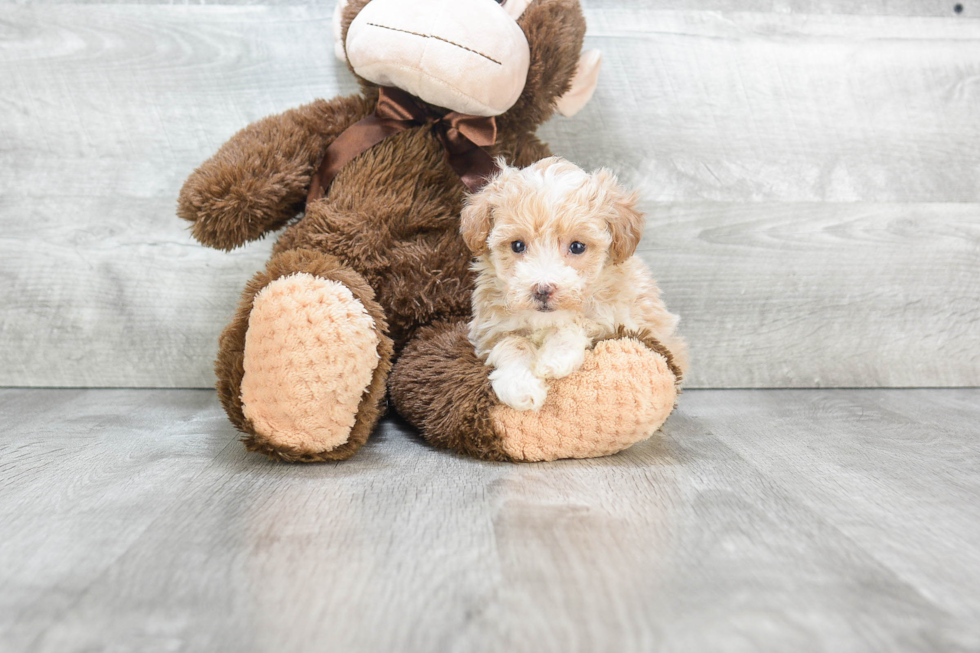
[542,294]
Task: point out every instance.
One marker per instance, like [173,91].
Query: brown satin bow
[463,136]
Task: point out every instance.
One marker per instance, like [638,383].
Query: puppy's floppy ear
[476,219]
[625,221]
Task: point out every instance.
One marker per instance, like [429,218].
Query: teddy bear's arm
[259,179]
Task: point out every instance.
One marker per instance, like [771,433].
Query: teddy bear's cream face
[464,55]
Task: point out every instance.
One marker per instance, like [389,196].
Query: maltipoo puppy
[555,273]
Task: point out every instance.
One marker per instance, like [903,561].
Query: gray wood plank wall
[811,171]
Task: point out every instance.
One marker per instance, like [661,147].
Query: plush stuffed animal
[374,271]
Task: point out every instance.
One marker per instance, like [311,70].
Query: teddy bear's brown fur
[389,231]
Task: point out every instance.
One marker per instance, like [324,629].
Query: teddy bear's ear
[583,84]
[516,7]
[338,30]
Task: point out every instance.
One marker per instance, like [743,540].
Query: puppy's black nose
[543,292]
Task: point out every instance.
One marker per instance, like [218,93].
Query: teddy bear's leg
[624,391]
[302,367]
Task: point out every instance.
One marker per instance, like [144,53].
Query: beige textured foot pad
[310,352]
[621,395]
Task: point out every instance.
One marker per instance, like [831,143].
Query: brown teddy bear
[371,270]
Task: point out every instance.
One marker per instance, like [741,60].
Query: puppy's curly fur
[556,272]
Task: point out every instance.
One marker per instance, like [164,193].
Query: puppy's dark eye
[518,246]
[501,2]
[576,247]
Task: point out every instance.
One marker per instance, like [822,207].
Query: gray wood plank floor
[784,520]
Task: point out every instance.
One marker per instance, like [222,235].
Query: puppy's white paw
[558,363]
[519,390]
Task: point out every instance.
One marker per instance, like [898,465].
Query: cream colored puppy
[556,272]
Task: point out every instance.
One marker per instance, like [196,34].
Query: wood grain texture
[817,520]
[822,294]
[745,106]
[812,180]
[805,7]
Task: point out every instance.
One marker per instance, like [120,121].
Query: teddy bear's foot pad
[310,352]
[620,396]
